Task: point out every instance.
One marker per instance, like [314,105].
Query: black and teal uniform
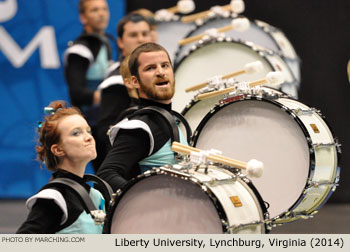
[138,144]
[58,210]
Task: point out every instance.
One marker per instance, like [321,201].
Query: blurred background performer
[65,146]
[87,59]
[149,15]
[132,30]
[143,141]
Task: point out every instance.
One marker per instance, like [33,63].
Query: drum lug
[239,226]
[326,145]
[337,145]
[310,111]
[321,183]
[215,182]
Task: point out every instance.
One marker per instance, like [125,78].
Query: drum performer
[133,30]
[143,141]
[65,146]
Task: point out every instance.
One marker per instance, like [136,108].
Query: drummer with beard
[143,141]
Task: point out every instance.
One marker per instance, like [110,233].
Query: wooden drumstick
[254,167]
[203,14]
[249,68]
[189,148]
[178,147]
[239,24]
[272,78]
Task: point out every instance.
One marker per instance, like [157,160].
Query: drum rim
[261,201]
[194,101]
[261,52]
[157,171]
[312,158]
[269,30]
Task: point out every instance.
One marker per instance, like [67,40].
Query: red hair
[48,134]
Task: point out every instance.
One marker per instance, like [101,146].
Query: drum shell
[215,195]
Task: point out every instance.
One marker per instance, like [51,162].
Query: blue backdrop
[33,37]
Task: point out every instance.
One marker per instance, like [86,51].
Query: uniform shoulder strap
[165,115]
[185,123]
[102,185]
[82,195]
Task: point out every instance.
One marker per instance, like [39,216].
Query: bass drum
[259,33]
[295,144]
[173,201]
[169,34]
[221,57]
[196,110]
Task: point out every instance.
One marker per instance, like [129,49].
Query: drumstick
[203,14]
[249,68]
[254,167]
[239,24]
[183,6]
[189,148]
[272,78]
[178,147]
[236,6]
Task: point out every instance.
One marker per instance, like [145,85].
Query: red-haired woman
[65,146]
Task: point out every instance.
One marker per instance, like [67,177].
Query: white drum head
[262,130]
[169,34]
[220,58]
[165,205]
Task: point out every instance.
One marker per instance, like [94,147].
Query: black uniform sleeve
[44,218]
[75,73]
[121,163]
[114,100]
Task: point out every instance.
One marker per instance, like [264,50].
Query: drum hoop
[261,201]
[269,29]
[262,53]
[194,101]
[189,106]
[312,159]
[157,171]
[224,39]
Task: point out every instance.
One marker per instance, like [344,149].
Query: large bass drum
[221,57]
[183,201]
[299,152]
[260,33]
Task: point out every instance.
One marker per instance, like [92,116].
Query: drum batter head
[164,204]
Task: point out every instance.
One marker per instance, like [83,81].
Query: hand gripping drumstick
[236,6]
[249,68]
[183,6]
[254,167]
[272,78]
[238,24]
